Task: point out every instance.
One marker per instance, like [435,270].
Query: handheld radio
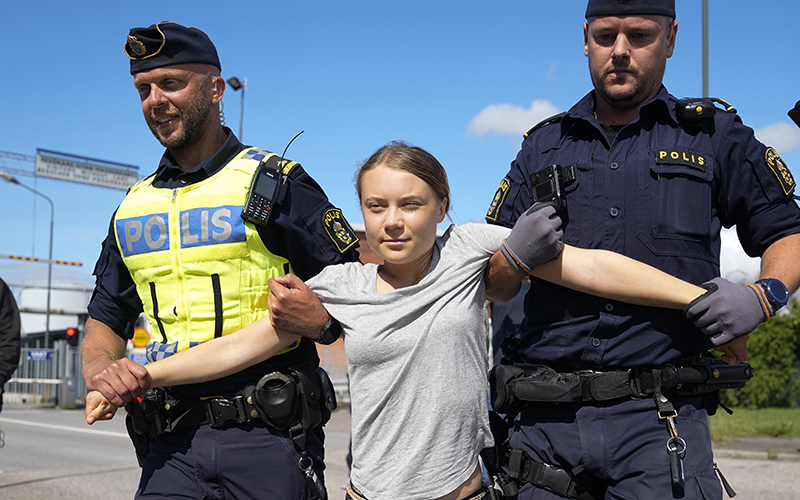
[267,188]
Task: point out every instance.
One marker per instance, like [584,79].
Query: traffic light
[72,336]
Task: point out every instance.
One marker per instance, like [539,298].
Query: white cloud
[782,136]
[510,120]
[552,72]
[735,265]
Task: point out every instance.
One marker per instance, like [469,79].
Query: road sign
[73,168]
[139,358]
[39,355]
[140,337]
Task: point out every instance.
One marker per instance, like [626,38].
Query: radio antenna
[283,156]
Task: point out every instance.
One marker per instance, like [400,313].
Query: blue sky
[461,79]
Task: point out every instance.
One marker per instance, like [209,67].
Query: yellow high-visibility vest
[200,270]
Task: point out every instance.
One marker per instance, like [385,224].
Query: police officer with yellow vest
[634,170]
[182,249]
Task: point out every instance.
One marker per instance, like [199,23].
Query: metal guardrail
[46,377]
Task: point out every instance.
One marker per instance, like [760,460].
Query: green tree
[774,354]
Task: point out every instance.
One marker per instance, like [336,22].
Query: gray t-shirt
[418,362]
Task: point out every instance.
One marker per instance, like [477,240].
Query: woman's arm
[616,277]
[222,356]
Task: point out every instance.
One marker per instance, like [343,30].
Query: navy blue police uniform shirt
[298,233]
[659,194]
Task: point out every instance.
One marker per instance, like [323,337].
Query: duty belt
[295,402]
[180,414]
[516,385]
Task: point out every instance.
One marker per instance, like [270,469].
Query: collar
[169,174]
[662,104]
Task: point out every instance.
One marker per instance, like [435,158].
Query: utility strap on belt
[217,412]
[553,479]
[605,386]
[512,385]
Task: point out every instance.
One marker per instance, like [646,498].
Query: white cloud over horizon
[508,119]
[782,136]
[735,265]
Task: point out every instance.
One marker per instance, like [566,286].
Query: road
[53,454]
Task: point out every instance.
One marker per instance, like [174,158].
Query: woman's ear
[443,209]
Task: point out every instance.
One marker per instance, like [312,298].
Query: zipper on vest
[184,329]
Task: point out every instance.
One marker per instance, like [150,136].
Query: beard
[634,93]
[193,120]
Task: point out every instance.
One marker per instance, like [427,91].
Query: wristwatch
[331,331]
[776,292]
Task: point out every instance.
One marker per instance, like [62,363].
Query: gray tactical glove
[727,310]
[535,239]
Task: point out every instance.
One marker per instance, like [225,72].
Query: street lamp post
[10,178]
[237,84]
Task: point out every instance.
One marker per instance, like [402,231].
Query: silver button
[614,211]
[609,307]
[596,342]
[614,165]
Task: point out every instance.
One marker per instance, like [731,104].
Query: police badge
[339,230]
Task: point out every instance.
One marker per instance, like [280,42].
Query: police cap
[168,43]
[597,8]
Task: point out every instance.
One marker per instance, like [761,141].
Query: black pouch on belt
[513,386]
[501,379]
[313,407]
[276,399]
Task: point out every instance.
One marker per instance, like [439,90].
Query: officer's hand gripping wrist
[728,310]
[535,239]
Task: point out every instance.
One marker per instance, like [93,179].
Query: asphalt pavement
[45,464]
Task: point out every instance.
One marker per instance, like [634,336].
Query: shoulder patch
[781,171]
[339,230]
[499,199]
[547,121]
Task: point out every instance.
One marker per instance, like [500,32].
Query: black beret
[168,43]
[597,8]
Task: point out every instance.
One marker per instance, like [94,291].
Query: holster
[137,425]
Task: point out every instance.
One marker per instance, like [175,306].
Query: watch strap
[330,332]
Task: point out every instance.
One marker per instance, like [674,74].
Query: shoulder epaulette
[547,121]
[699,108]
[285,165]
[728,108]
[279,163]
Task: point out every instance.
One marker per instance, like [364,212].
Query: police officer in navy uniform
[179,249]
[655,181]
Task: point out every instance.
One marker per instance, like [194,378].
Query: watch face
[776,291]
